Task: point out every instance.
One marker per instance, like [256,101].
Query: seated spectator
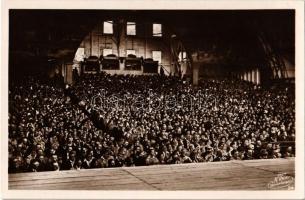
[288,152]
[151,158]
[51,129]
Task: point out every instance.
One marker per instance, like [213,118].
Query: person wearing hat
[288,152]
[35,166]
[264,154]
[209,154]
[55,166]
[139,156]
[151,158]
[43,123]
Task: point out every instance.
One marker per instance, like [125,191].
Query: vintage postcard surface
[152,100]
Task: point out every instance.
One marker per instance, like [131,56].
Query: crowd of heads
[231,120]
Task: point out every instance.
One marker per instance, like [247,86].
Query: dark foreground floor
[231,175]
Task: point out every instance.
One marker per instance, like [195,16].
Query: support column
[245,76]
[183,68]
[122,45]
[63,71]
[258,77]
[249,76]
[195,73]
[253,76]
[172,68]
[68,74]
[197,60]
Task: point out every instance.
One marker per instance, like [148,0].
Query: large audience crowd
[220,121]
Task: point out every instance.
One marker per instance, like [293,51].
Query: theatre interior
[237,68]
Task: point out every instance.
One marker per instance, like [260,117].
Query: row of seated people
[233,120]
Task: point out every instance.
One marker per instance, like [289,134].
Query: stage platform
[230,175]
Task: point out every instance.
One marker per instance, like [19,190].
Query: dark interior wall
[37,35]
[214,71]
[39,67]
[21,67]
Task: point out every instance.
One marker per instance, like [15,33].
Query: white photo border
[298,6]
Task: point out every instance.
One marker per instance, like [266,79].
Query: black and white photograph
[153,99]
